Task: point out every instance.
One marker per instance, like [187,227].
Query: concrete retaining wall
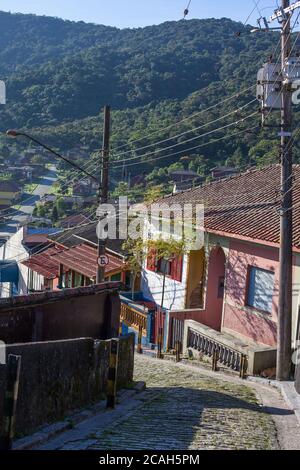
[60,376]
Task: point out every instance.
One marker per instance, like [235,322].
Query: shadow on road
[184,418]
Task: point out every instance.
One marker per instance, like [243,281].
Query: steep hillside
[59,74]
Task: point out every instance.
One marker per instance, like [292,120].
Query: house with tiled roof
[71,259]
[15,277]
[74,220]
[9,191]
[230,285]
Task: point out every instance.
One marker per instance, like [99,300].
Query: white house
[15,277]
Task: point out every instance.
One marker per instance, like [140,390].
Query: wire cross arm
[15,133]
[282,13]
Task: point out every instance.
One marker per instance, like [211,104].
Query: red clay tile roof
[83,259]
[85,233]
[74,220]
[245,205]
[44,263]
[36,239]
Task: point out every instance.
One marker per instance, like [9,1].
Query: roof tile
[245,205]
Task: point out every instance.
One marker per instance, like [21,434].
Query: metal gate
[176,333]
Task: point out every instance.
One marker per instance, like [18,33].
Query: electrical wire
[65,185]
[238,33]
[187,10]
[218,104]
[43,247]
[165,139]
[235,111]
[197,146]
[186,141]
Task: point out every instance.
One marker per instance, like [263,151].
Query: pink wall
[211,315]
[258,326]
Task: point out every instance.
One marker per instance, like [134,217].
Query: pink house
[230,285]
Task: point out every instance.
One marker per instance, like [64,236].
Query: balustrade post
[140,336]
[177,350]
[159,343]
[120,328]
[215,359]
[243,366]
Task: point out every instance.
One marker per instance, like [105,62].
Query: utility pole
[104,188]
[284,351]
[280,98]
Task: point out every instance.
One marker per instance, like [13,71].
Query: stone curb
[287,390]
[49,431]
[291,397]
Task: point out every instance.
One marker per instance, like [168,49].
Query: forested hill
[58,70]
[59,74]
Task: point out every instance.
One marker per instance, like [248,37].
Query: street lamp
[14,133]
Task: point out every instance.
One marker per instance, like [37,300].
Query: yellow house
[9,190]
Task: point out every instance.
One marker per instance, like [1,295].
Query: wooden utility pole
[104,187]
[286,221]
[282,99]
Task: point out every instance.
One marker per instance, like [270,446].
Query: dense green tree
[54,215]
[41,211]
[61,207]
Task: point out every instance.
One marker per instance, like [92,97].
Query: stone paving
[184,409]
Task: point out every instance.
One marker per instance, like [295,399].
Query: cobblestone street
[186,410]
[186,407]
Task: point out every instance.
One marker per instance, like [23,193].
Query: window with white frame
[260,289]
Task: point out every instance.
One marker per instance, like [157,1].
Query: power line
[197,146]
[185,141]
[42,245]
[256,3]
[65,185]
[184,133]
[249,16]
[219,103]
[87,166]
[187,10]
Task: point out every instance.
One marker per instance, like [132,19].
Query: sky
[138,13]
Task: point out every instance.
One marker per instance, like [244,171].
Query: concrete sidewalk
[292,398]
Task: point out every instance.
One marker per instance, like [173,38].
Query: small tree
[41,211]
[137,252]
[153,193]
